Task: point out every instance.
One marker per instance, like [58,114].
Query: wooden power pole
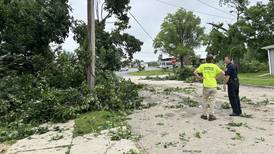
[91,45]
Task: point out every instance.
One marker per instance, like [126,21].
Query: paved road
[125,73]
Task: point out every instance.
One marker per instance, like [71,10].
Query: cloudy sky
[150,14]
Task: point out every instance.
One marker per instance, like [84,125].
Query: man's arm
[222,74]
[196,73]
[228,73]
[226,79]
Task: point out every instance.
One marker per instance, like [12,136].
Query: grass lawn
[151,72]
[94,122]
[256,80]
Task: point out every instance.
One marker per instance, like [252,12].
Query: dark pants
[233,94]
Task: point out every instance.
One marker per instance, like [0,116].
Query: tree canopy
[27,28]
[244,39]
[114,48]
[40,83]
[180,34]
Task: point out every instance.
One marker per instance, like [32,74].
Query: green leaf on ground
[95,122]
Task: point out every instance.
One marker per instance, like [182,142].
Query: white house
[270,50]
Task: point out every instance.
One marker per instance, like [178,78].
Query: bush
[141,68]
[115,93]
[64,72]
[60,105]
[58,94]
[184,73]
[30,99]
[191,79]
[252,66]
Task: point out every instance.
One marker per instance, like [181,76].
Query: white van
[167,63]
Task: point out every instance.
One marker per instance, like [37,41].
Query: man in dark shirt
[232,81]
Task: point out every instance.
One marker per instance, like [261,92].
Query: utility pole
[91,45]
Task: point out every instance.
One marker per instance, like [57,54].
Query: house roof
[268,47]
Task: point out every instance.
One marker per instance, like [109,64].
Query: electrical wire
[218,9]
[203,13]
[142,27]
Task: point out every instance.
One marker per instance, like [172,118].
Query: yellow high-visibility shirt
[210,71]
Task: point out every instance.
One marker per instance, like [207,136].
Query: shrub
[115,93]
[191,79]
[60,105]
[252,66]
[30,99]
[27,101]
[17,93]
[184,73]
[141,68]
[58,94]
[64,72]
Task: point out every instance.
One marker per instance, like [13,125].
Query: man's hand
[201,78]
[198,76]
[224,86]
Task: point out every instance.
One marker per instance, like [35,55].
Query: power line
[204,13]
[218,9]
[141,26]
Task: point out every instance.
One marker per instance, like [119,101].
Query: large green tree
[27,28]
[180,34]
[217,43]
[226,42]
[245,38]
[229,41]
[258,28]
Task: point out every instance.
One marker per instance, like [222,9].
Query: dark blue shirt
[231,71]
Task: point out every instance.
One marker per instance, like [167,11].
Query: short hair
[229,57]
[209,58]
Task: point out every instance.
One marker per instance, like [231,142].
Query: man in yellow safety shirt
[210,72]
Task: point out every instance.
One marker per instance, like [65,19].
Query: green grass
[95,122]
[255,79]
[152,72]
[10,142]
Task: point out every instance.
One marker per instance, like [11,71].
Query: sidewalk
[59,140]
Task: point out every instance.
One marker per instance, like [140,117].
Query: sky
[151,13]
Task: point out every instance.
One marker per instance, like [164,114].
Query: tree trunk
[236,62]
[182,61]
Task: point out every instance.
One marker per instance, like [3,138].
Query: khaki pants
[209,95]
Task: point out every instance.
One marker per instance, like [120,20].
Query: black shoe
[211,118]
[204,117]
[234,115]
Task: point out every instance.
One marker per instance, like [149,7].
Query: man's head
[209,58]
[227,59]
